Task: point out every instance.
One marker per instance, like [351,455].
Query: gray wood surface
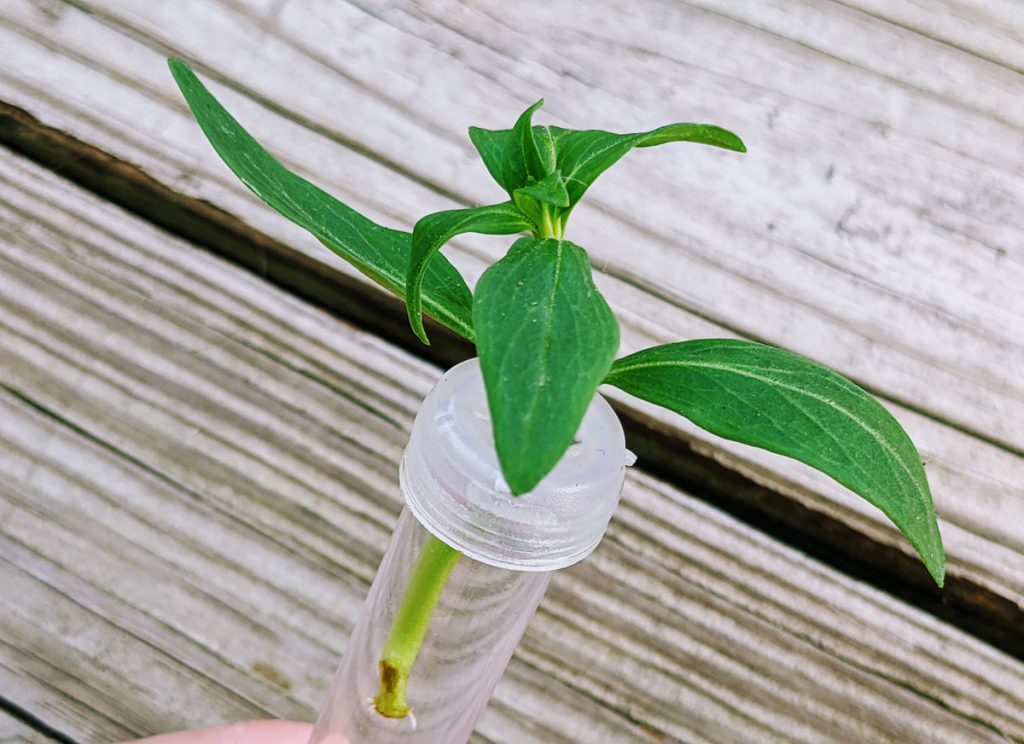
[874,226]
[199,478]
[13,731]
[198,470]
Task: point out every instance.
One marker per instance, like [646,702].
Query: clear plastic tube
[473,631]
[465,569]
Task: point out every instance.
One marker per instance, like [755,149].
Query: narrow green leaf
[550,190]
[582,156]
[546,338]
[381,253]
[784,403]
[522,155]
[433,231]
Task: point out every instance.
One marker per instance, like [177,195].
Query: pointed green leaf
[549,190]
[522,156]
[546,338]
[434,230]
[784,403]
[490,144]
[512,156]
[381,253]
[582,156]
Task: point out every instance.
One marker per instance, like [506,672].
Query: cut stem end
[390,701]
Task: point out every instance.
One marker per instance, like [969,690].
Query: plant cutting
[515,462]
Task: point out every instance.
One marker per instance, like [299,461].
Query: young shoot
[547,339]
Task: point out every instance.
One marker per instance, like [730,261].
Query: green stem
[426,583]
[550,225]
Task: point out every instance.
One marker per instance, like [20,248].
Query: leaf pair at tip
[545,171]
[578,156]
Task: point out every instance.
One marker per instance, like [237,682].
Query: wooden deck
[202,411]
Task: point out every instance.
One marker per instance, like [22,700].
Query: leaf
[583,155]
[784,403]
[546,338]
[513,158]
[434,230]
[549,190]
[490,144]
[543,201]
[522,156]
[381,253]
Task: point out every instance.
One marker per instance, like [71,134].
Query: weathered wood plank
[13,731]
[989,30]
[199,478]
[914,294]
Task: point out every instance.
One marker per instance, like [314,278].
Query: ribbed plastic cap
[453,485]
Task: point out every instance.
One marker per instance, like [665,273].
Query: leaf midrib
[594,154]
[548,335]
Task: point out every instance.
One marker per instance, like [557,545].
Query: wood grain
[199,476]
[13,731]
[866,229]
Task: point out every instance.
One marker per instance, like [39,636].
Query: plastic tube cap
[453,484]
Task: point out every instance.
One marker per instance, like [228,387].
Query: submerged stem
[412,620]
